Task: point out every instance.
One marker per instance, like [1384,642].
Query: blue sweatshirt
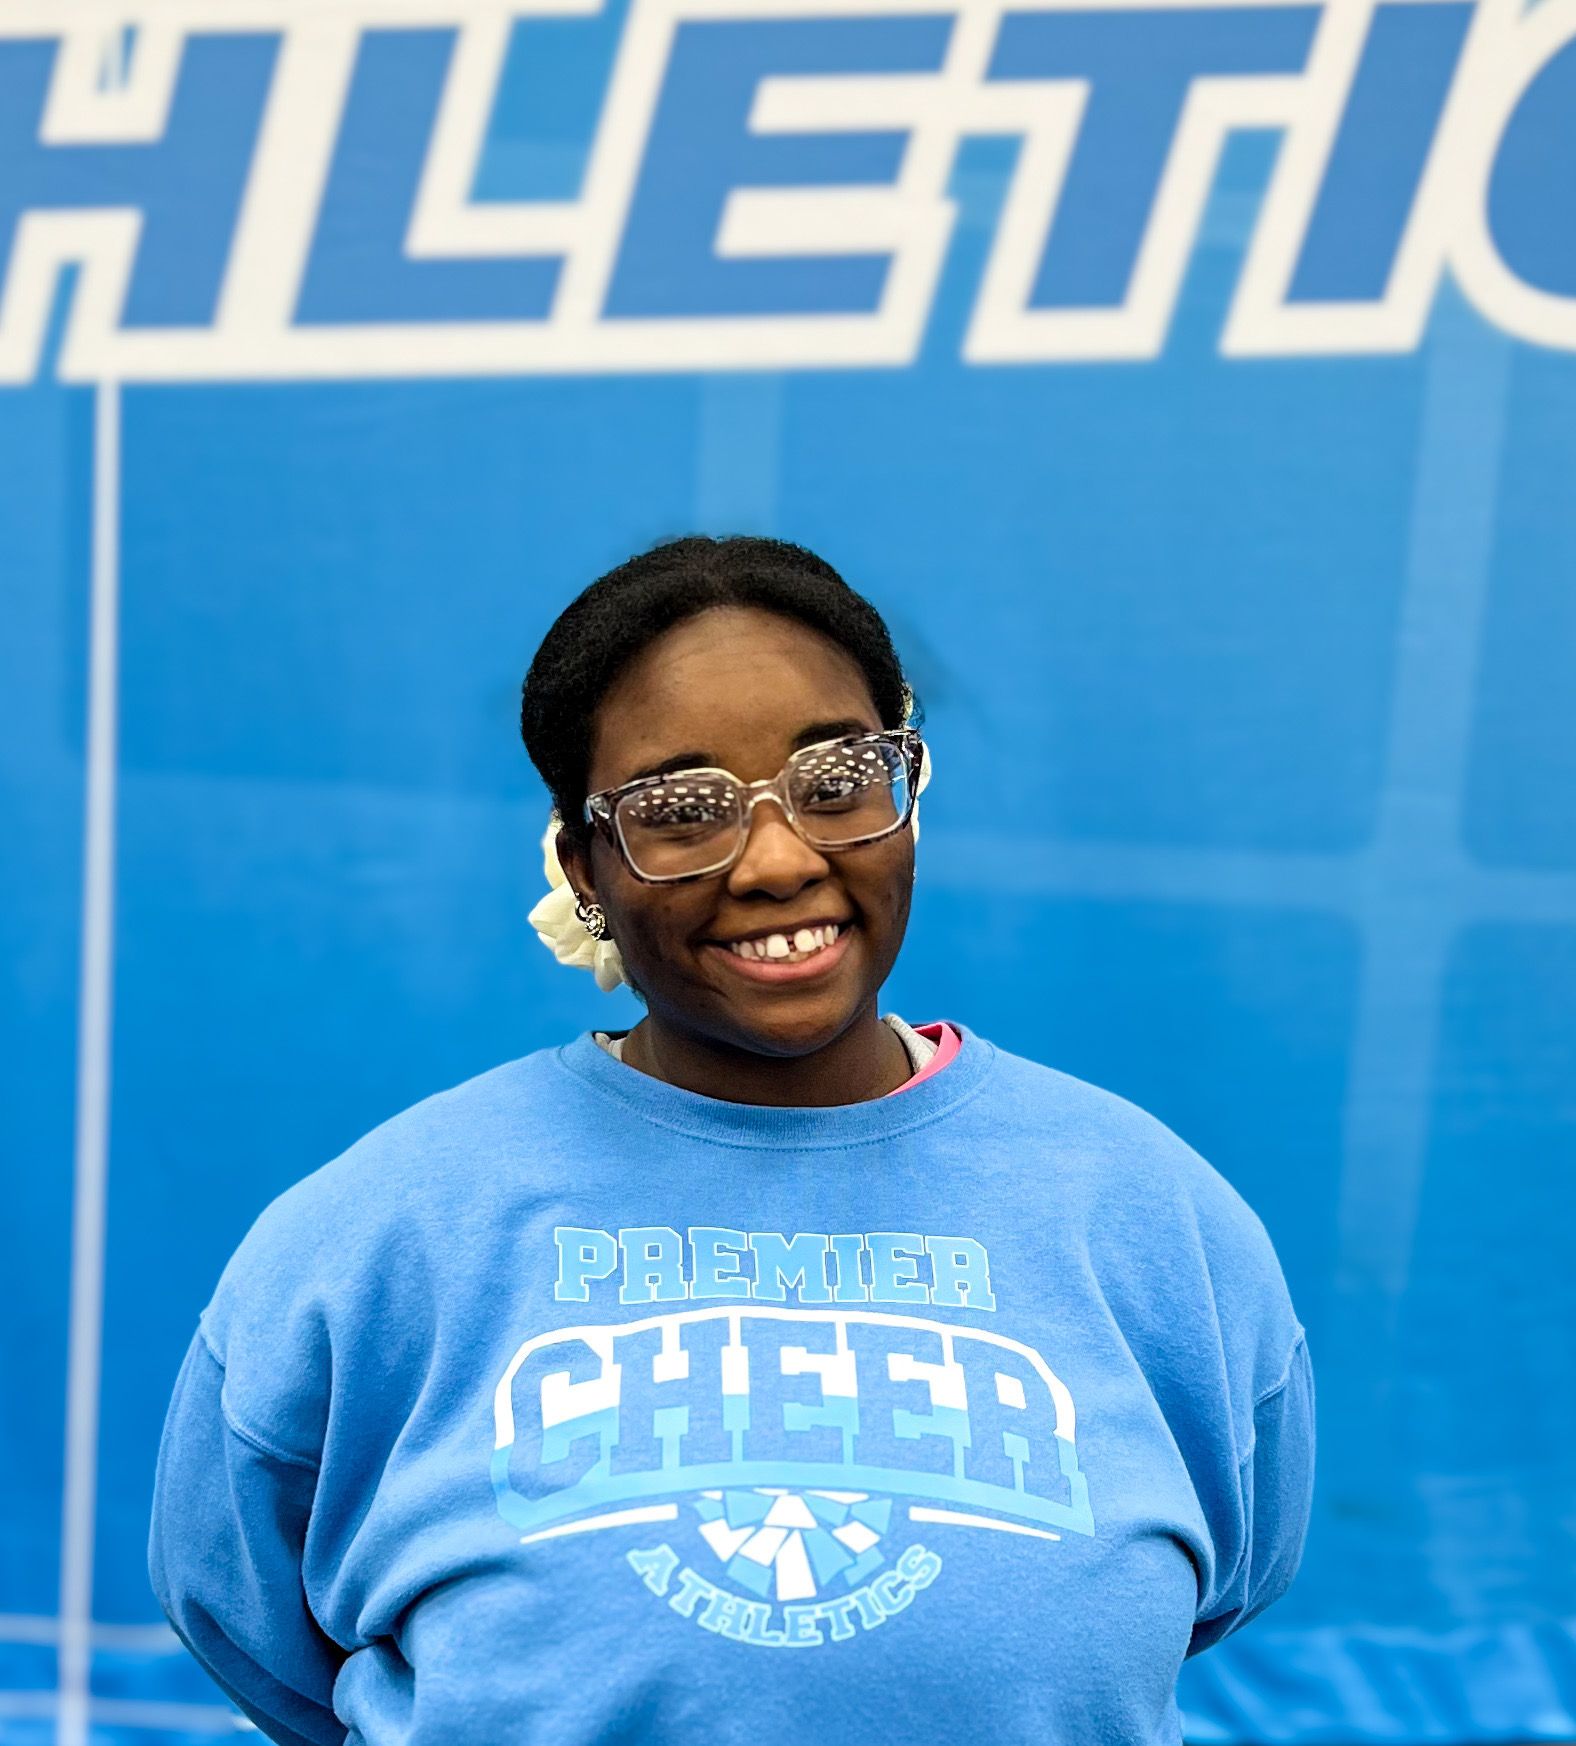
[569,1406]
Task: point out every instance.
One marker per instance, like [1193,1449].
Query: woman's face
[744,688]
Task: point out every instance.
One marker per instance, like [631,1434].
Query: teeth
[780,949]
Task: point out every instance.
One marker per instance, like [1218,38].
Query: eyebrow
[831,730]
[679,761]
[806,736]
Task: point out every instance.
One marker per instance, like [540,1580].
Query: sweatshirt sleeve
[224,1555]
[1275,1485]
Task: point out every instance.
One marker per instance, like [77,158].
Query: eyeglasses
[685,824]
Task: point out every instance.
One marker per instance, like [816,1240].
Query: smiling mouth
[765,960]
[786,948]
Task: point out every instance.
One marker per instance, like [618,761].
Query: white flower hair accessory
[571,942]
[562,931]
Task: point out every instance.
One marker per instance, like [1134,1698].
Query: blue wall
[1280,645]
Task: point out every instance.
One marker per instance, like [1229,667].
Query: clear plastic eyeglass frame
[601,808]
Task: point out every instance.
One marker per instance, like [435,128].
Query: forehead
[735,685]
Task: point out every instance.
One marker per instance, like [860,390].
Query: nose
[775,858]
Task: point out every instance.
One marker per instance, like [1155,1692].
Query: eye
[842,779]
[678,809]
[673,812]
[832,786]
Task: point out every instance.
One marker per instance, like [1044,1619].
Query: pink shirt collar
[947,1040]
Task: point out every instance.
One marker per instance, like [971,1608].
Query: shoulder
[307,1300]
[423,1143]
[398,1183]
[1165,1227]
[1120,1145]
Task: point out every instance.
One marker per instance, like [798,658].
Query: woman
[563,1405]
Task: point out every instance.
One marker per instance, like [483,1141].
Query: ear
[576,866]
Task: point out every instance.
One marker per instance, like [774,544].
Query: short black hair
[605,626]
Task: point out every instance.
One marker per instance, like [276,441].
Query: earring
[591,917]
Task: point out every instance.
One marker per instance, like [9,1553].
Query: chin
[795,1033]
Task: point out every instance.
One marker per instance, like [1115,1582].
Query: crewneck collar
[789,1127]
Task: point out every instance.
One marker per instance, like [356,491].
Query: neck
[866,1061]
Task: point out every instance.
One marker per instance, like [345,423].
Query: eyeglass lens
[840,794]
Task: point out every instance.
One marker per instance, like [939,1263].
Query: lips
[784,945]
[795,966]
